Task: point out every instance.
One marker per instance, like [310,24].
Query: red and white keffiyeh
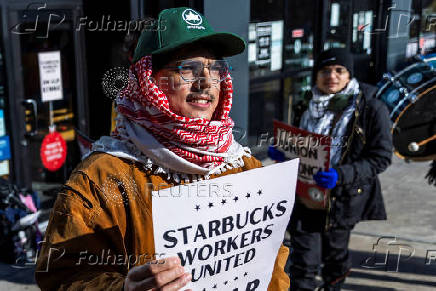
[197,140]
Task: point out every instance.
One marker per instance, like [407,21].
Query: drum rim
[396,76]
[432,58]
[416,159]
[411,66]
[412,93]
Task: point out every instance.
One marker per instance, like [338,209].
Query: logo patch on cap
[192,17]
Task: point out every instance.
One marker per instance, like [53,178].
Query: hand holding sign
[275,154]
[168,276]
[326,179]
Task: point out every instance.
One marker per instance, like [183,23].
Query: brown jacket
[101,226]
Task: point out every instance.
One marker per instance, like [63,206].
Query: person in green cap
[172,127]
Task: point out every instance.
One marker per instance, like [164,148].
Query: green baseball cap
[178,27]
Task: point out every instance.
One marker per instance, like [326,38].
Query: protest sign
[227,231]
[314,153]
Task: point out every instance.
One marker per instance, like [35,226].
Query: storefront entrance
[44,34]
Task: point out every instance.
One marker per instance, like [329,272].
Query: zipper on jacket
[327,218]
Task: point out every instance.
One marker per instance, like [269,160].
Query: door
[37,29]
[5,152]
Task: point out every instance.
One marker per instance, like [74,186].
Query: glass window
[298,47]
[422,28]
[351,25]
[265,106]
[4,114]
[428,27]
[362,28]
[295,90]
[265,57]
[280,53]
[338,25]
[265,38]
[413,15]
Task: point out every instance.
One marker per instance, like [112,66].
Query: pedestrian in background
[345,109]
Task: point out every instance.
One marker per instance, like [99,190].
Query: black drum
[410,96]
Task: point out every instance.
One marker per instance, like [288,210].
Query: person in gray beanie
[359,125]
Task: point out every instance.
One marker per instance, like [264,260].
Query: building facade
[270,78]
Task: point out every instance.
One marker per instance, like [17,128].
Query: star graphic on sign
[210,205]
[225,282]
[236,278]
[259,192]
[236,198]
[248,195]
[245,274]
[197,207]
[223,201]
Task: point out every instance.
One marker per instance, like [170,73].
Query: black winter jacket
[358,193]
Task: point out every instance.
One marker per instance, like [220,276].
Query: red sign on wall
[53,151]
[296,33]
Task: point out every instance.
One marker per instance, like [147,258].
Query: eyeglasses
[190,70]
[338,71]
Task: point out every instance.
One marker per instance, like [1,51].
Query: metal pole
[51,126]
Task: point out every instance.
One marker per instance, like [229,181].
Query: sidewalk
[400,253]
[406,248]
[401,265]
[12,279]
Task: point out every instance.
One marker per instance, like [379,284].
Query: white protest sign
[50,76]
[227,231]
